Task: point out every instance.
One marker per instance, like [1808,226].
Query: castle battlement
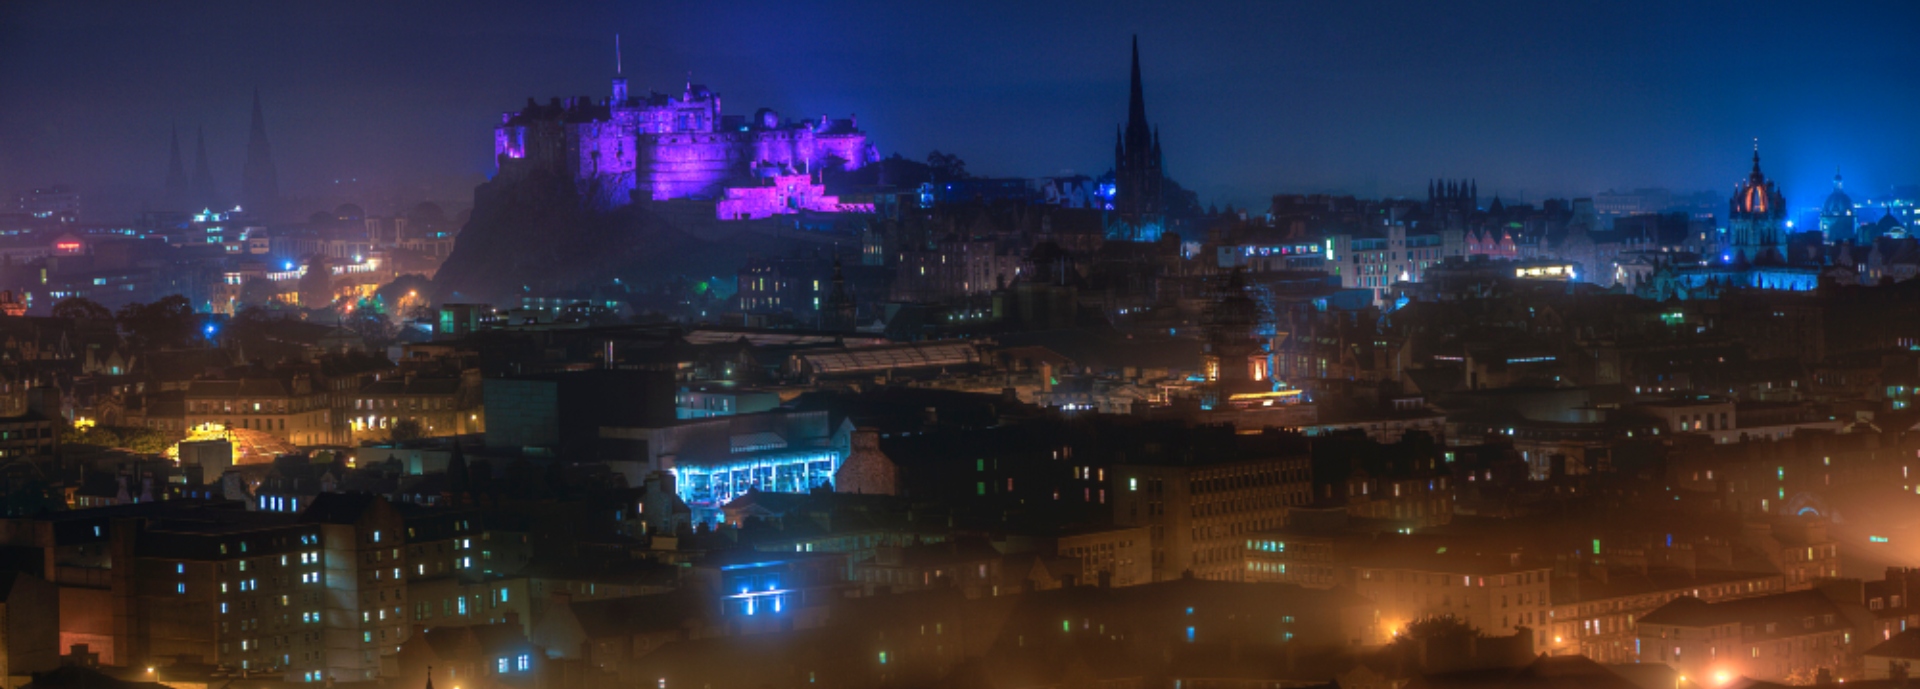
[663,147]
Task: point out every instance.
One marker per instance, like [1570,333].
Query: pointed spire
[1136,98]
[203,192]
[619,66]
[260,180]
[177,187]
[1756,157]
[1836,178]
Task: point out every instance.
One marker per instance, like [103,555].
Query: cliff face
[538,236]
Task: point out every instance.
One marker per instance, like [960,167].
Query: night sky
[1371,98]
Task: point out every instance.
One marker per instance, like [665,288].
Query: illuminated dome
[1838,203]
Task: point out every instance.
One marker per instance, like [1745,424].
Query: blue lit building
[713,460]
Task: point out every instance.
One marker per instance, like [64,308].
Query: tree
[316,286]
[373,327]
[258,292]
[167,323]
[946,167]
[80,309]
[403,430]
[407,298]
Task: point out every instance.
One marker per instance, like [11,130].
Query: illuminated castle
[662,147]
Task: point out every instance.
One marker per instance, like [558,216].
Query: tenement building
[1198,514]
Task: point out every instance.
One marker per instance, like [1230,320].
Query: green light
[1066,625]
[1596,546]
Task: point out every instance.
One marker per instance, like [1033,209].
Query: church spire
[260,181]
[203,192]
[1136,99]
[177,188]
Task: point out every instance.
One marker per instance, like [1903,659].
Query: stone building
[661,147]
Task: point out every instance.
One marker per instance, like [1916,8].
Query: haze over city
[993,345]
[1533,99]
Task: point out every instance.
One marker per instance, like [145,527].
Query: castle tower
[260,181]
[203,195]
[1756,218]
[177,189]
[1139,181]
[619,74]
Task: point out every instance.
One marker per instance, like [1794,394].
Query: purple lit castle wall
[662,147]
[782,195]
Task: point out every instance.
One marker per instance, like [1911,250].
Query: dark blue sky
[1369,97]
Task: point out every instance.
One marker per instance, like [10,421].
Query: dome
[1837,203]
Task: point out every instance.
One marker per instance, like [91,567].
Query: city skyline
[1646,96]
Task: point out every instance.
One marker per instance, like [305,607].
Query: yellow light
[149,668]
[1722,677]
[1556,639]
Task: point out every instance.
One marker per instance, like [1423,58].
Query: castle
[662,147]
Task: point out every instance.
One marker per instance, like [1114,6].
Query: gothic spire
[260,181]
[176,188]
[1136,99]
[203,191]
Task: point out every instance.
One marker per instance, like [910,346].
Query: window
[523,662]
[503,664]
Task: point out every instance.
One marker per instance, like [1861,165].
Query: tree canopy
[168,323]
[80,308]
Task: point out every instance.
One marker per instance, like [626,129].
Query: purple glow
[664,147]
[786,194]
